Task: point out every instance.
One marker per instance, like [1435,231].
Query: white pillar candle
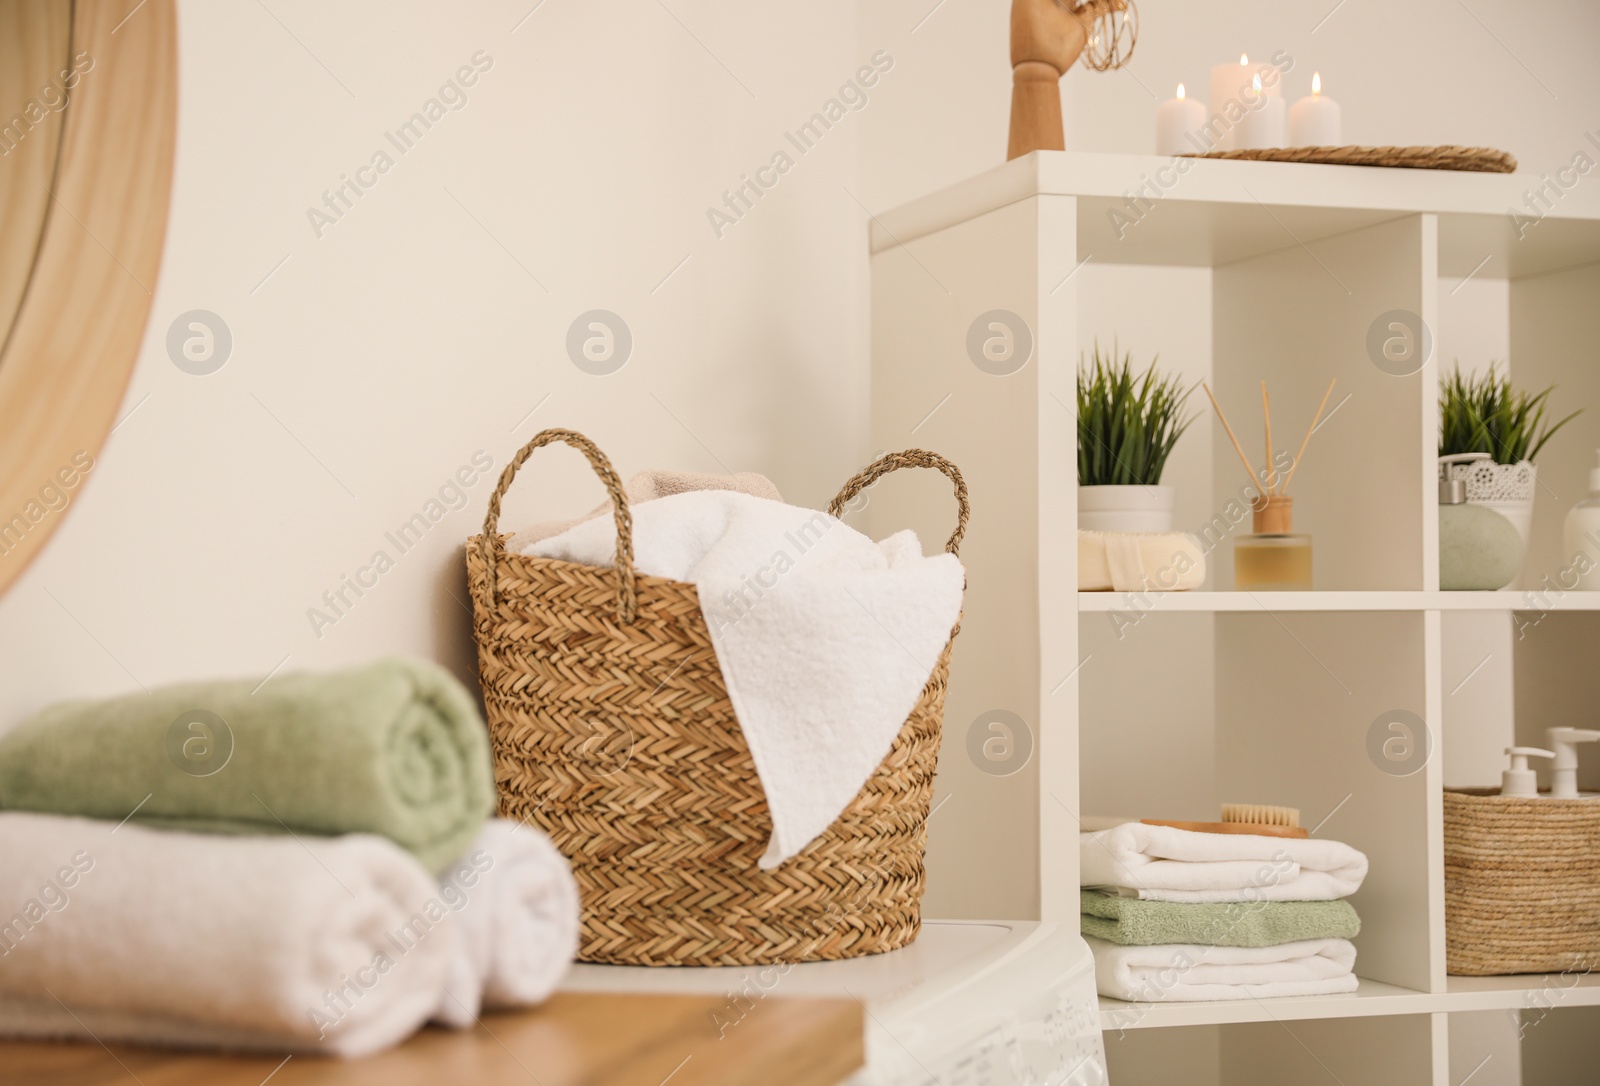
[1233,83]
[1178,124]
[1314,121]
[1263,124]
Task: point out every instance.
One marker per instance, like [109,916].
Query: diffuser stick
[1266,413]
[1243,459]
[1313,429]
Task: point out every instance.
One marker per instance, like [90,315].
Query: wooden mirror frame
[77,333]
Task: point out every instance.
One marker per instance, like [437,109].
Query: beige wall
[373,363]
[377,359]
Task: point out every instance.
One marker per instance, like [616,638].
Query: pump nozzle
[1519,780]
[1564,770]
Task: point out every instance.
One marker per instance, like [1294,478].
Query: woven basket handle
[627,593]
[911,458]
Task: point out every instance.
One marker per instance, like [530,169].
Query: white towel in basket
[825,638]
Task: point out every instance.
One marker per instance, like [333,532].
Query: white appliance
[970,1003]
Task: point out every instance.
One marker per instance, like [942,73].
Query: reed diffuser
[1274,557]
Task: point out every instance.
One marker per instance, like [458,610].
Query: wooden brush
[1261,814]
[1258,820]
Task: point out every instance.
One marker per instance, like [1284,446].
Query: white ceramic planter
[1125,508]
[1508,489]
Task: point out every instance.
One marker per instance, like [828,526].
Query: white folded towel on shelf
[825,639]
[1179,971]
[1162,863]
[253,943]
[515,907]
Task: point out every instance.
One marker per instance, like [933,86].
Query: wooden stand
[1047,37]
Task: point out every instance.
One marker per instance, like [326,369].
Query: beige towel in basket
[647,486]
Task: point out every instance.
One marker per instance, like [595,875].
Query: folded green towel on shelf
[1130,921]
[395,748]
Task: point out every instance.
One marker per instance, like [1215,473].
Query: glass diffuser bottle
[1274,557]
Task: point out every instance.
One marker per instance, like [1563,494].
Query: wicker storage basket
[1521,884]
[613,733]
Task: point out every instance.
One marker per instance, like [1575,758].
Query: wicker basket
[1521,884]
[613,733]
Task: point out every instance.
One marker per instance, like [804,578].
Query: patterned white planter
[1508,489]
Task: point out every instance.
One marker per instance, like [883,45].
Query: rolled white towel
[1162,863]
[251,943]
[1178,971]
[515,907]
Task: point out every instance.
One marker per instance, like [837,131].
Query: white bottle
[1564,769]
[1580,537]
[1519,781]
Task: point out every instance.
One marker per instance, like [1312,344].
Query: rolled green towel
[394,748]
[1134,922]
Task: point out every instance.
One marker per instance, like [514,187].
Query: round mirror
[88,113]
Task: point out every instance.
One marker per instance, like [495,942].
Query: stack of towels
[1175,914]
[305,864]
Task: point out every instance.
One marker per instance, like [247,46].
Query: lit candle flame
[1180,90]
[1256,82]
[1316,82]
[1243,60]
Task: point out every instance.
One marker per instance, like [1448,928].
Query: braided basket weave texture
[1521,884]
[1444,157]
[613,733]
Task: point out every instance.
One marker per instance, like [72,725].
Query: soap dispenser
[1564,770]
[1519,781]
[1580,536]
[1479,550]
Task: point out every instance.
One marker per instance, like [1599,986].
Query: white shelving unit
[1162,705]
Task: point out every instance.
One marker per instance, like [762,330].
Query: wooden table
[573,1040]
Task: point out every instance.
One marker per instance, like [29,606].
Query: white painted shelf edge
[1532,992]
[1156,601]
[1277,184]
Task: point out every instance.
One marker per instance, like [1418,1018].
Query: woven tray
[1521,884]
[1466,159]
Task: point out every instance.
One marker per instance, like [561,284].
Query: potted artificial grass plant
[1127,426]
[1489,434]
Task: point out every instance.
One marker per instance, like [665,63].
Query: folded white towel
[1161,863]
[515,907]
[824,638]
[1179,971]
[275,943]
